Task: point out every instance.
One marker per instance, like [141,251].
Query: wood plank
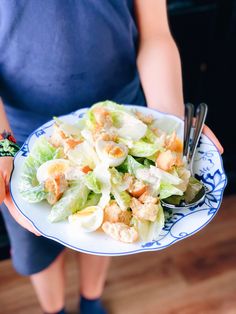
[194,276]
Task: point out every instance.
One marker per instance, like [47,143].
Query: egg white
[88,219]
[105,155]
[54,167]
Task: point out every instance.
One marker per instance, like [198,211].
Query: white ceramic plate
[183,223]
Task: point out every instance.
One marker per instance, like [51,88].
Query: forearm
[4,124]
[160,73]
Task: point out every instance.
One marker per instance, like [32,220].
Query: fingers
[19,217]
[6,167]
[7,170]
[208,132]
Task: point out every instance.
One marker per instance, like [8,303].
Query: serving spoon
[191,138]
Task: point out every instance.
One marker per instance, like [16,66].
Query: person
[56,57]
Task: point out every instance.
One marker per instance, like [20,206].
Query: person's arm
[159,62]
[6,165]
[158,58]
[5,162]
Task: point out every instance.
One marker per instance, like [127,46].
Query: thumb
[18,216]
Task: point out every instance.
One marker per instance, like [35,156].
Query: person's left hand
[208,132]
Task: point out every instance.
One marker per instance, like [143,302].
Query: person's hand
[208,132]
[6,165]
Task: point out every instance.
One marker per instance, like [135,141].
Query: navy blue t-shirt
[60,55]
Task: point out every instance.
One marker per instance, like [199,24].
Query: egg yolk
[114,151]
[86,212]
[56,169]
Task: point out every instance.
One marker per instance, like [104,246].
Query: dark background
[205,32]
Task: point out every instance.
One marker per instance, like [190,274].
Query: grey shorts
[30,254]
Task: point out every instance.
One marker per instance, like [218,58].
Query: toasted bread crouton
[136,187]
[128,178]
[70,143]
[148,119]
[113,213]
[146,197]
[55,187]
[103,135]
[102,117]
[57,138]
[173,143]
[166,160]
[121,232]
[147,211]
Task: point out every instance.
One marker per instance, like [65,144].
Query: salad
[108,171]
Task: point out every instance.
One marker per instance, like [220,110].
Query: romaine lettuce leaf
[103,176]
[118,187]
[29,187]
[122,198]
[166,124]
[92,182]
[33,194]
[193,188]
[83,155]
[143,149]
[167,190]
[121,117]
[147,230]
[92,200]
[73,199]
[133,166]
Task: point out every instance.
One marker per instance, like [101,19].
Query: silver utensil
[191,138]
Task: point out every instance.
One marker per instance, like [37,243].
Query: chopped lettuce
[90,120]
[193,188]
[165,176]
[148,146]
[110,106]
[92,200]
[167,190]
[118,187]
[122,198]
[136,129]
[103,176]
[143,149]
[33,194]
[133,165]
[29,187]
[68,129]
[147,230]
[73,199]
[166,124]
[83,155]
[121,117]
[92,182]
[43,151]
[117,180]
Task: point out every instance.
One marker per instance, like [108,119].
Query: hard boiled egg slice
[111,152]
[88,219]
[55,167]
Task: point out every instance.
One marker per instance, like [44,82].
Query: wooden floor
[194,276]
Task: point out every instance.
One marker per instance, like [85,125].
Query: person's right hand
[6,166]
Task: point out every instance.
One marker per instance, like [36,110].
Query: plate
[183,223]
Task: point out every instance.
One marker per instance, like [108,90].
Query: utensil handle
[201,114]
[188,118]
